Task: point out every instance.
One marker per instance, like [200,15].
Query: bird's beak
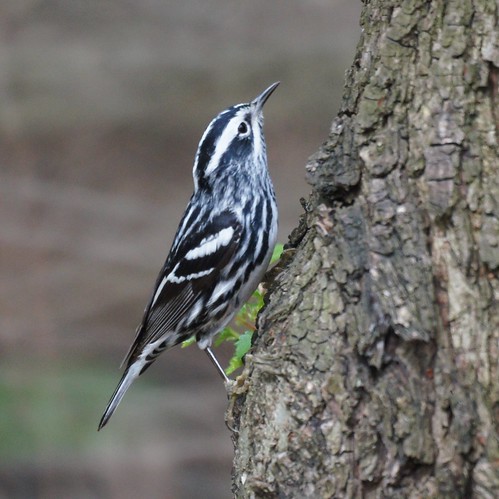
[258,103]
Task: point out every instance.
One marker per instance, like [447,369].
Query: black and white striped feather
[222,246]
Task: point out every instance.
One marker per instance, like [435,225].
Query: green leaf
[243,344]
[227,334]
[246,317]
[278,249]
[234,364]
[189,342]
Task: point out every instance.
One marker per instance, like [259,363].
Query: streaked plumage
[222,246]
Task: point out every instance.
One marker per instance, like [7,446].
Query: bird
[222,246]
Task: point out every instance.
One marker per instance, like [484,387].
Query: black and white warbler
[222,246]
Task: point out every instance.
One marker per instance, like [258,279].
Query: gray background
[102,107]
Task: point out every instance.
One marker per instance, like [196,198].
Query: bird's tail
[127,379]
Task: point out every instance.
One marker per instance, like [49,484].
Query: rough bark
[375,370]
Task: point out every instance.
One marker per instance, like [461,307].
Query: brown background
[102,106]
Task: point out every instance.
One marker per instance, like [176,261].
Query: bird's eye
[242,129]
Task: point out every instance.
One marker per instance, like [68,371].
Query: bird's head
[233,143]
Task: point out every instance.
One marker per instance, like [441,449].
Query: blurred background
[102,105]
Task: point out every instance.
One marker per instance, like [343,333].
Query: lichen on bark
[375,370]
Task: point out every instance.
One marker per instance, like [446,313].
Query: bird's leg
[212,357]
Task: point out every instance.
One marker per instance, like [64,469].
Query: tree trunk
[375,369]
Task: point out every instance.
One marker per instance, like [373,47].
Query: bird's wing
[193,268]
